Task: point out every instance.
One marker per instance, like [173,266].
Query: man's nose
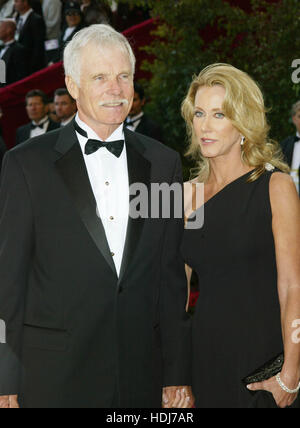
[114,86]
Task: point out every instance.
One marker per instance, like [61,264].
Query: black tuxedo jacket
[149,128]
[23,133]
[32,37]
[84,337]
[287,146]
[15,59]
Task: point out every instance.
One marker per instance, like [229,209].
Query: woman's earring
[243,140]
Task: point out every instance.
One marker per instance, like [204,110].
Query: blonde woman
[247,254]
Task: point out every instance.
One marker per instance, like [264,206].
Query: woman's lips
[207,141]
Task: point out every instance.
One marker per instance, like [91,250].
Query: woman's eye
[198,114]
[220,115]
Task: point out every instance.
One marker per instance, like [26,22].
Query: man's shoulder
[53,125]
[154,146]
[23,128]
[40,143]
[35,17]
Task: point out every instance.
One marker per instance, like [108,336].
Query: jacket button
[120,291]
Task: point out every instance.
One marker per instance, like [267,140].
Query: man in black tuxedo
[139,121]
[291,146]
[93,295]
[12,53]
[37,108]
[31,33]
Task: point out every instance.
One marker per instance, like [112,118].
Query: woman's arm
[286,229]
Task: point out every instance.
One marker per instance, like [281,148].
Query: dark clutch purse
[268,370]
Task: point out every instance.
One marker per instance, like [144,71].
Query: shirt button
[111,217]
[106,183]
[113,254]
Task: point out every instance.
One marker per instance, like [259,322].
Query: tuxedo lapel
[139,169]
[290,150]
[71,167]
[23,29]
[6,57]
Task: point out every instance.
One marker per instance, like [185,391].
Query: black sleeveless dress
[236,325]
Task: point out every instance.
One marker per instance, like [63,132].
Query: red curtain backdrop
[12,97]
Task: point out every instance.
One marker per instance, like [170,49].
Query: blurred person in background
[65,106]
[139,121]
[291,146]
[31,33]
[52,12]
[6,8]
[127,15]
[74,23]
[95,12]
[37,109]
[12,53]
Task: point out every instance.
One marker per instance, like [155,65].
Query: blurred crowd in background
[33,33]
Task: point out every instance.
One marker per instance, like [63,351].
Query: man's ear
[72,87]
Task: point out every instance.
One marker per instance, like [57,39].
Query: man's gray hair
[100,35]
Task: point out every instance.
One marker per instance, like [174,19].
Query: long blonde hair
[244,107]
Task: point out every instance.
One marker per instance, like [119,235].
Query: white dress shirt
[6,46]
[136,121]
[110,184]
[66,122]
[68,32]
[43,126]
[296,164]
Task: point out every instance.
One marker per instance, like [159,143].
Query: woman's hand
[178,398]
[9,402]
[282,398]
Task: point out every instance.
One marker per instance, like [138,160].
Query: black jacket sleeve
[175,322]
[16,244]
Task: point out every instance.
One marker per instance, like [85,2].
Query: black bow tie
[115,147]
[41,126]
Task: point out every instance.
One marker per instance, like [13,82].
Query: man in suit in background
[291,146]
[93,296]
[31,33]
[12,53]
[139,121]
[37,109]
[65,106]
